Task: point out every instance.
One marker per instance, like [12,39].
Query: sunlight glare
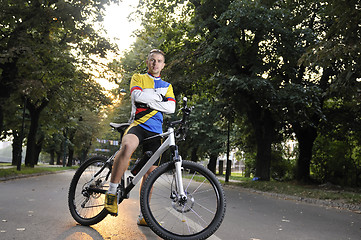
[117,23]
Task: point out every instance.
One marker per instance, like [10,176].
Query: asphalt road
[36,208]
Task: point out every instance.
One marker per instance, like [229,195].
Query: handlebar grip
[185,99]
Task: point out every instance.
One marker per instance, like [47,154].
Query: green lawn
[347,195]
[11,172]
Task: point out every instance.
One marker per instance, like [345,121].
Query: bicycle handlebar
[182,130]
[186,111]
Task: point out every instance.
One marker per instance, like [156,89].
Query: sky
[119,29]
[117,24]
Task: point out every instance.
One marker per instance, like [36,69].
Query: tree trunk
[1,117]
[17,145]
[263,125]
[194,157]
[52,157]
[34,111]
[212,162]
[84,155]
[306,137]
[58,158]
[38,147]
[263,158]
[70,156]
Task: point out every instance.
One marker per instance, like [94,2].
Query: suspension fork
[177,159]
[178,174]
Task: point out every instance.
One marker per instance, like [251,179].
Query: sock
[112,188]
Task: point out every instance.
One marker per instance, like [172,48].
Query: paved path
[36,208]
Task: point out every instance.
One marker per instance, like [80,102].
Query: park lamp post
[18,166]
[228,164]
[65,145]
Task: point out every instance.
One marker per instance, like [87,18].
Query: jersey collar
[155,78]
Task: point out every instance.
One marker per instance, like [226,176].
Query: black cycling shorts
[148,145]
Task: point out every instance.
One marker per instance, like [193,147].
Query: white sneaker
[141,221]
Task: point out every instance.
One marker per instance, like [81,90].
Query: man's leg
[130,142]
[141,220]
[153,146]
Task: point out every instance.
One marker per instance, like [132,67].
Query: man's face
[155,63]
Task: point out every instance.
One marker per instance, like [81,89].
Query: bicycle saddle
[120,127]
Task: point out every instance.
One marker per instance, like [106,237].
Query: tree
[37,47]
[277,62]
[207,132]
[335,59]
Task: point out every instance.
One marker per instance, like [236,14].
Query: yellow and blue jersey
[148,103]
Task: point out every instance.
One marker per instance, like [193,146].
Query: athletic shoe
[141,221]
[111,204]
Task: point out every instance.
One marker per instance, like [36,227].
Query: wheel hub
[183,205]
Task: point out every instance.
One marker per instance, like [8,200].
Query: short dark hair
[156,51]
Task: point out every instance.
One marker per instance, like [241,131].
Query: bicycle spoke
[86,203]
[173,216]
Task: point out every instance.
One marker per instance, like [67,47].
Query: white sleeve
[164,107]
[146,96]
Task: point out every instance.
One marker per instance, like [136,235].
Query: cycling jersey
[151,97]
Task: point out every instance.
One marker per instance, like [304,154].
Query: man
[151,97]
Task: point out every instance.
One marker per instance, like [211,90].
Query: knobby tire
[198,218]
[87,207]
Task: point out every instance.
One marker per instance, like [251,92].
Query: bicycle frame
[168,143]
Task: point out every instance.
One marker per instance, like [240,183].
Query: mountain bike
[179,200]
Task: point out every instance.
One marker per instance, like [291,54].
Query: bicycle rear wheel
[171,218]
[85,196]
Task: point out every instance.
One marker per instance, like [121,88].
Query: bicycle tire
[198,218]
[86,207]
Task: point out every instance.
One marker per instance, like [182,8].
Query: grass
[334,193]
[12,172]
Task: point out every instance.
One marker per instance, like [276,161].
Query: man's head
[155,62]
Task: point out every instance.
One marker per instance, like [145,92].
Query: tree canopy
[267,70]
[46,48]
[282,64]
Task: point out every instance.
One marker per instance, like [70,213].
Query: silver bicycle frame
[169,142]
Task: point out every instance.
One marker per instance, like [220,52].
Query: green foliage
[46,48]
[337,160]
[282,168]
[276,69]
[208,130]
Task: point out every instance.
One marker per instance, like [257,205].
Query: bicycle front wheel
[86,192]
[171,217]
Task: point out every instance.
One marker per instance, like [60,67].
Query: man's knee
[129,144]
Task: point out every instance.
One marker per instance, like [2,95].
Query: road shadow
[80,232]
[148,233]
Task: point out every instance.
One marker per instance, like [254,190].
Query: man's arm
[146,97]
[167,107]
[139,94]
